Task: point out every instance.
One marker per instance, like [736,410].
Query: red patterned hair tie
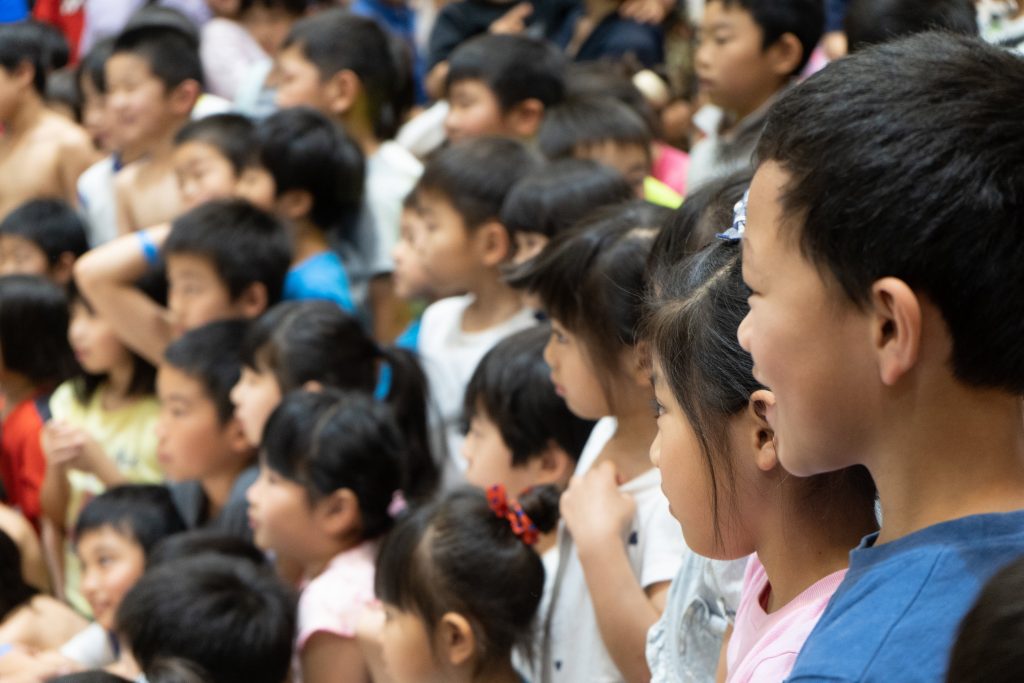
[522,525]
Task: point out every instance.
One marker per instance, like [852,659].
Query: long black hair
[14,590]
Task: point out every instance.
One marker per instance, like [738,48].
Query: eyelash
[657,408]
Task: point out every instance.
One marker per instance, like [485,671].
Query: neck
[494,302]
[738,114]
[635,430]
[17,388]
[359,128]
[502,672]
[308,240]
[118,382]
[315,565]
[26,116]
[217,488]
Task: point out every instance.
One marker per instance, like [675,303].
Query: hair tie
[739,220]
[522,525]
[397,505]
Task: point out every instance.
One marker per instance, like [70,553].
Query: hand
[594,509]
[69,445]
[513,21]
[646,11]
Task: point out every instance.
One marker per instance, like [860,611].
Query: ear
[456,643]
[184,97]
[313,387]
[639,359]
[294,204]
[763,437]
[896,328]
[339,513]
[234,437]
[60,272]
[524,119]
[785,55]
[253,301]
[24,74]
[341,91]
[494,246]
[554,466]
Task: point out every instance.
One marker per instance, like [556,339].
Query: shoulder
[443,313]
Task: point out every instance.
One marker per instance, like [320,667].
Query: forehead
[732,15]
[474,87]
[294,57]
[196,150]
[9,241]
[174,381]
[106,537]
[191,266]
[127,64]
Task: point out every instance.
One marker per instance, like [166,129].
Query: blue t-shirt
[319,277]
[896,614]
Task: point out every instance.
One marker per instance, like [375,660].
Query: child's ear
[785,55]
[234,435]
[183,97]
[253,301]
[294,204]
[639,359]
[61,271]
[455,639]
[896,324]
[763,436]
[24,74]
[341,91]
[494,246]
[339,512]
[554,466]
[524,119]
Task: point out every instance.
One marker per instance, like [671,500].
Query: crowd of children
[482,341]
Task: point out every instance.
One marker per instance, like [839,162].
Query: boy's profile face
[21,256]
[474,111]
[112,562]
[203,174]
[573,374]
[446,246]
[632,161]
[410,278]
[489,459]
[195,293]
[298,81]
[137,100]
[810,345]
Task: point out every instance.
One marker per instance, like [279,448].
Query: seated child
[554,199]
[34,358]
[209,618]
[869,22]
[749,51]
[201,444]
[225,259]
[611,133]
[330,471]
[852,288]
[464,248]
[42,237]
[619,545]
[312,345]
[41,152]
[502,85]
[461,585]
[600,31]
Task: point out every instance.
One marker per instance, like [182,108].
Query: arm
[106,276]
[326,658]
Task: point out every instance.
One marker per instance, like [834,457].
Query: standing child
[411,281]
[330,471]
[619,547]
[42,237]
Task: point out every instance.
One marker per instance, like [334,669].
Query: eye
[658,409]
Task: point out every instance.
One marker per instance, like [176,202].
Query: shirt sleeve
[332,605]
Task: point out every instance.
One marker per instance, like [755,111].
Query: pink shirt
[763,646]
[671,166]
[333,601]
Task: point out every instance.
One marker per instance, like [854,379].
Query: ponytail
[408,395]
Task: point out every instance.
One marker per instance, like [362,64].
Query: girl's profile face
[407,648]
[573,375]
[97,349]
[112,562]
[280,515]
[255,396]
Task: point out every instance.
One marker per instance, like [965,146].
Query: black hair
[514,67]
[232,619]
[579,123]
[592,279]
[696,313]
[512,387]
[176,670]
[604,78]
[51,224]
[245,244]
[869,22]
[14,590]
[476,175]
[92,676]
[93,64]
[805,19]
[62,89]
[203,541]
[304,150]
[941,210]
[316,341]
[295,8]
[171,52]
[23,43]
[232,135]
[34,330]
[457,555]
[336,40]
[211,355]
[986,645]
[56,49]
[331,440]
[144,512]
[554,198]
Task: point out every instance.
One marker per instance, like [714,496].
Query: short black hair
[144,512]
[51,224]
[294,8]
[34,330]
[56,49]
[233,135]
[304,150]
[941,209]
[234,620]
[512,387]
[514,67]
[554,198]
[62,89]
[336,40]
[578,123]
[93,64]
[245,244]
[15,591]
[171,53]
[805,19]
[23,43]
[869,22]
[610,79]
[203,541]
[476,175]
[211,354]
[986,645]
[93,676]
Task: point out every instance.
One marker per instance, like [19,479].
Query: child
[201,445]
[41,152]
[721,473]
[100,433]
[461,585]
[597,30]
[34,358]
[609,132]
[227,619]
[463,249]
[330,469]
[620,546]
[551,201]
[869,22]
[411,281]
[749,52]
[502,85]
[225,259]
[42,237]
[313,345]
[851,288]
[317,177]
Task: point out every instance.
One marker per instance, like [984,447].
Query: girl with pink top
[720,471]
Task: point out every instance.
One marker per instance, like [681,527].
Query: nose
[743,334]
[702,59]
[655,451]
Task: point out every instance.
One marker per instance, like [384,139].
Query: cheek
[407,654]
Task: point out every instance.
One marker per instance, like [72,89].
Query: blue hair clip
[739,221]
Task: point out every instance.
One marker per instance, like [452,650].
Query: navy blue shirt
[614,38]
[896,614]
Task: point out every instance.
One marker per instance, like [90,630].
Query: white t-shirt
[449,357]
[93,647]
[98,202]
[228,52]
[391,173]
[574,651]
